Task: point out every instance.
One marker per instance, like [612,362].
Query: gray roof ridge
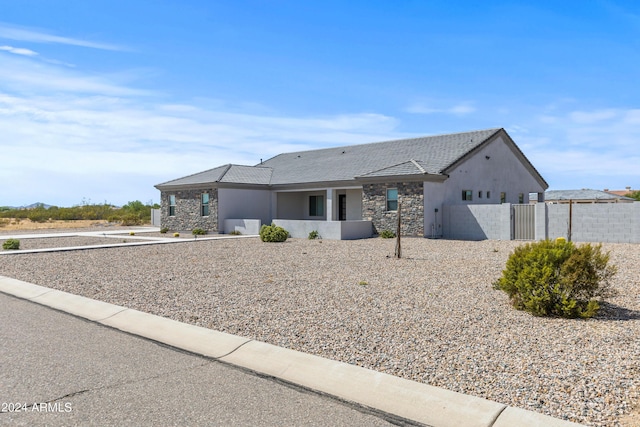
[497,129]
[418,165]
[413,162]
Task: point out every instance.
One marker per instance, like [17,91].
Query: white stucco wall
[434,193]
[501,172]
[244,204]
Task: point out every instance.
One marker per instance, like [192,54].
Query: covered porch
[335,213]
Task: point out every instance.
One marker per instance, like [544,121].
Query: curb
[401,398]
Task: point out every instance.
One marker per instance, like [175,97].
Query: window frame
[390,201]
[172,205]
[204,205]
[467,195]
[314,206]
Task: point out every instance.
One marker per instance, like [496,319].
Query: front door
[342,207]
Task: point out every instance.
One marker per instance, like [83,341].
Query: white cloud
[26,75]
[12,32]
[18,51]
[63,127]
[426,108]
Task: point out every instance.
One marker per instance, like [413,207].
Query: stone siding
[187,214]
[410,196]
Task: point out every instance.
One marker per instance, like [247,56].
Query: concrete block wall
[477,222]
[596,222]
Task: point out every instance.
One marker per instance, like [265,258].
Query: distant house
[355,191]
[584,196]
[624,192]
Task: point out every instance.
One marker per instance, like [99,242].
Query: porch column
[329,204]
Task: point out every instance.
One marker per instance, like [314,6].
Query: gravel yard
[431,317]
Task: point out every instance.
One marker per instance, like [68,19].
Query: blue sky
[101,100]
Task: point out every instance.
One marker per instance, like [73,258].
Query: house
[355,191]
[624,192]
[584,196]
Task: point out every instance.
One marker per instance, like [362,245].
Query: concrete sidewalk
[388,396]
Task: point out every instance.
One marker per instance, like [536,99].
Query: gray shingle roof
[416,156]
[584,194]
[236,174]
[436,154]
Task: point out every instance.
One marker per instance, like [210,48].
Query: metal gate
[524,222]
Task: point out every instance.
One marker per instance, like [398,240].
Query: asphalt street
[58,369]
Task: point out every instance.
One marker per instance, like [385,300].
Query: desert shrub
[11,244]
[38,215]
[176,234]
[387,234]
[314,235]
[164,230]
[235,233]
[129,219]
[198,232]
[273,233]
[557,278]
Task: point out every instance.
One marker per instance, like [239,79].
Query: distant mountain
[31,206]
[35,205]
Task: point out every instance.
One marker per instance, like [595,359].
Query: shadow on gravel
[610,311]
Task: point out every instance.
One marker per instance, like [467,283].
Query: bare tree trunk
[398,253]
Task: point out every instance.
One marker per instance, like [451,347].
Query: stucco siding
[244,204]
[494,169]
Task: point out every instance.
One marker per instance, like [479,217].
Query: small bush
[314,235]
[132,233]
[130,219]
[557,278]
[11,244]
[176,234]
[235,233]
[198,232]
[164,230]
[387,234]
[273,233]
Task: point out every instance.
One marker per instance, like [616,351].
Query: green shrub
[176,234]
[557,278]
[387,234]
[235,233]
[164,230]
[314,235]
[198,232]
[11,244]
[273,233]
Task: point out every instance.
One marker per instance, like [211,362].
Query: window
[392,199]
[480,194]
[503,197]
[204,205]
[172,205]
[467,195]
[521,198]
[316,205]
[488,194]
